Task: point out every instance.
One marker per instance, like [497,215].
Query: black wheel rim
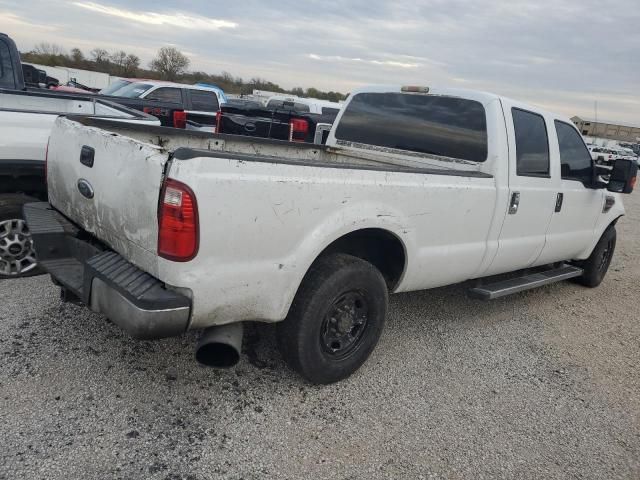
[344,324]
[605,258]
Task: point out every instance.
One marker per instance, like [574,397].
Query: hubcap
[16,248]
[344,324]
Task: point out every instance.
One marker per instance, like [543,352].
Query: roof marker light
[414,89]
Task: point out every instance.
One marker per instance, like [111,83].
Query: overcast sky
[561,54]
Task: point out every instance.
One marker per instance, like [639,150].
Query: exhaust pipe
[220,346]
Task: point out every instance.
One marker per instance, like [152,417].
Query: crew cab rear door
[532,194]
[172,96]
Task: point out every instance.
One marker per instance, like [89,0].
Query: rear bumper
[103,280]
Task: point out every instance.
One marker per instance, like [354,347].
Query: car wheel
[17,255]
[596,266]
[335,320]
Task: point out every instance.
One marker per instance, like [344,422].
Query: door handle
[559,199]
[514,203]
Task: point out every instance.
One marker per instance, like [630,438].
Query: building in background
[604,129]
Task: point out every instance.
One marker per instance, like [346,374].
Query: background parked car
[601,155]
[197,104]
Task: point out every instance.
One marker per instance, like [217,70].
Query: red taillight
[177,222]
[180,119]
[298,129]
[218,121]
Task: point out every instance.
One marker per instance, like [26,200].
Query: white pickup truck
[26,118]
[165,231]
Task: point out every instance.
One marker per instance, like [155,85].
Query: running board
[503,288]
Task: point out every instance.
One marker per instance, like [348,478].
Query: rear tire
[335,320]
[595,267]
[17,255]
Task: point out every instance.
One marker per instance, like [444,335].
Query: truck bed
[46,101]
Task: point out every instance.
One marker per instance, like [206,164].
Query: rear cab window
[429,124]
[288,105]
[532,144]
[330,111]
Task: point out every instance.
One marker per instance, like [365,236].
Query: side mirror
[598,174]
[623,176]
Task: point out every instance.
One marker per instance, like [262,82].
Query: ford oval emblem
[250,127]
[85,188]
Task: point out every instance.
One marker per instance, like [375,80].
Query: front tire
[335,320]
[596,266]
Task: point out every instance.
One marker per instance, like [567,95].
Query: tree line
[168,64]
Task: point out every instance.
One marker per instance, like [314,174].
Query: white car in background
[601,154]
[626,154]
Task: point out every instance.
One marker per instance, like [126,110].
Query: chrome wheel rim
[17,255]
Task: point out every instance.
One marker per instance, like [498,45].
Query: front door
[531,191]
[573,222]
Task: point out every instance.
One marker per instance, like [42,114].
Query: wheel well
[377,246]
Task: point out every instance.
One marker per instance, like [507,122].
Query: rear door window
[438,125]
[532,144]
[204,100]
[575,160]
[166,94]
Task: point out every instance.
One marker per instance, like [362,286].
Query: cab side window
[532,144]
[6,68]
[166,94]
[204,100]
[575,160]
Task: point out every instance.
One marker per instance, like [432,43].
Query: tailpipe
[220,346]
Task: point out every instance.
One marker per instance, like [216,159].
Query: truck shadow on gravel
[65,330]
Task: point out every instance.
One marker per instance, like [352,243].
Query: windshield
[117,85]
[133,90]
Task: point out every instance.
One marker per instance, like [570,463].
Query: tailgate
[109,185]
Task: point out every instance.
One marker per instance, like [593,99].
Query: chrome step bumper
[103,280]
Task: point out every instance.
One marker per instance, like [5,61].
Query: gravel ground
[543,384]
